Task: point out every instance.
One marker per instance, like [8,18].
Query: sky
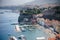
[13,2]
[45,1]
[21,2]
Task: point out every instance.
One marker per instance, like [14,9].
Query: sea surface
[7,30]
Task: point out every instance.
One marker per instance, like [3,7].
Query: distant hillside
[12,7]
[43,3]
[30,6]
[40,3]
[50,5]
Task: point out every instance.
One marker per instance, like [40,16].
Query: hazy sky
[20,2]
[13,2]
[40,2]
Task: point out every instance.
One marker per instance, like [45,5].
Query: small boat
[26,25]
[40,38]
[14,24]
[18,29]
[12,38]
[22,37]
[23,29]
[30,29]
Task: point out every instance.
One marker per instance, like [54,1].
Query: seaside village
[46,19]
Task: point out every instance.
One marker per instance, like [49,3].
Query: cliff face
[53,15]
[25,18]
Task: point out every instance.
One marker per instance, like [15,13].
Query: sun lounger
[40,38]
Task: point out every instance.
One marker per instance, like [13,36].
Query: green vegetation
[57,12]
[57,8]
[31,11]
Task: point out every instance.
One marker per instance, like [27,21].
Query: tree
[31,11]
[57,12]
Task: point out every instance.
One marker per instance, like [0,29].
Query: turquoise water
[6,28]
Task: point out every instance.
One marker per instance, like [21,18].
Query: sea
[7,18]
